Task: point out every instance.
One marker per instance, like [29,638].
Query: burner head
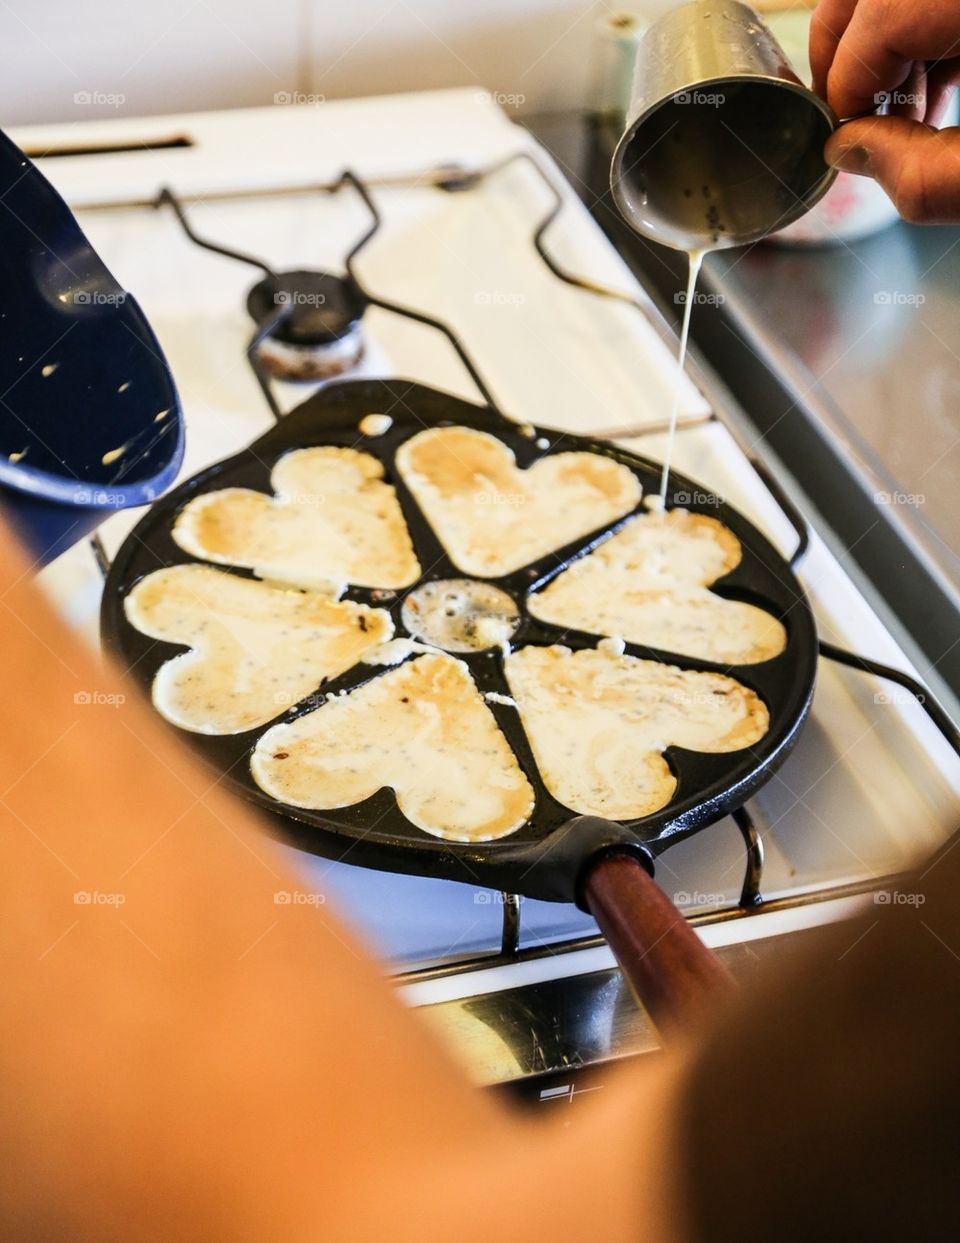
[320,335]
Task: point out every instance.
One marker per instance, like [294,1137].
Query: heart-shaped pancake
[599,723]
[649,584]
[423,730]
[492,517]
[333,520]
[256,648]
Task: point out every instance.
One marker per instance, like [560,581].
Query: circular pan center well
[460,615]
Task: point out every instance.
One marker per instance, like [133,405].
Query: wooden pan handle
[673,974]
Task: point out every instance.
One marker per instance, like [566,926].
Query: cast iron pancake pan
[543,858]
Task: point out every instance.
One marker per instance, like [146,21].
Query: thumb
[918,166]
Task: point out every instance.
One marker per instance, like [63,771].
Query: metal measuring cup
[724,143]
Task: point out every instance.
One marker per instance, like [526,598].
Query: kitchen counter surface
[876,325]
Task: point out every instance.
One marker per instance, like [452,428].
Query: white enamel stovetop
[871,783]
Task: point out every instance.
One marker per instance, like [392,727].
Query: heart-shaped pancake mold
[599,723]
[649,584]
[492,517]
[255,648]
[333,520]
[421,729]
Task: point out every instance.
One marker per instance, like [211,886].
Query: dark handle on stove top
[676,977]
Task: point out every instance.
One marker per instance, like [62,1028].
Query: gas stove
[429,238]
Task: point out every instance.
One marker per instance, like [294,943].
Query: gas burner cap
[322,308]
[321,334]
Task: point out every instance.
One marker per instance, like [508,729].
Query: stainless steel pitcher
[724,143]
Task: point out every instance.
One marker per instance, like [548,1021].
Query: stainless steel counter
[876,326]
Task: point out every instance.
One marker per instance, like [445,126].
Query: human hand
[862,51]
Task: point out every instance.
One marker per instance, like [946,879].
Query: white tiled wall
[64,60]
